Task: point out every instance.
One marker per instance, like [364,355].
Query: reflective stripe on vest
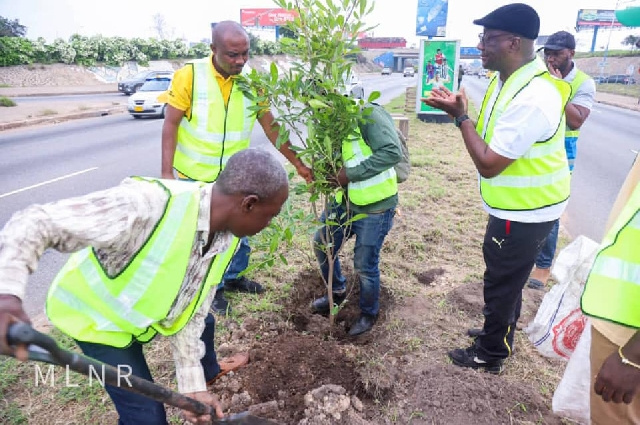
[541,177]
[374,189]
[612,290]
[88,305]
[571,136]
[214,132]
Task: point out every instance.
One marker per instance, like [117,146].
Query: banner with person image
[438,67]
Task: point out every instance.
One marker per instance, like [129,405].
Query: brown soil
[420,387]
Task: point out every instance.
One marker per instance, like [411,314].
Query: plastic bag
[559,322]
[571,398]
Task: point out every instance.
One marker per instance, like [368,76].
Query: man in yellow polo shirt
[207,120]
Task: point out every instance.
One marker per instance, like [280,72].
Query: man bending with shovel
[148,255]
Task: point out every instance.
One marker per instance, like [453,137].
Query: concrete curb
[629,107]
[61,118]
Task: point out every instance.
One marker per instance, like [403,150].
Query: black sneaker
[469,358]
[364,324]
[474,332]
[243,284]
[321,305]
[220,305]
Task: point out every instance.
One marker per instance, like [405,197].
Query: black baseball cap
[516,18]
[560,40]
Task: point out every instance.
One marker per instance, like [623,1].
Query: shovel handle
[22,333]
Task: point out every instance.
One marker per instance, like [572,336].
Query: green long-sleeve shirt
[379,133]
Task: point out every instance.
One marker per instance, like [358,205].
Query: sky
[191,19]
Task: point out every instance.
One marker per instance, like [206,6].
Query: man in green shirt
[372,189]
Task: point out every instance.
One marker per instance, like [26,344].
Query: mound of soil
[303,371]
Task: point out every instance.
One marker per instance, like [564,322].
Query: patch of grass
[83,108]
[11,414]
[3,85]
[632,90]
[47,112]
[396,105]
[5,101]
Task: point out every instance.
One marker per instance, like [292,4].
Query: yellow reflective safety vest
[612,290]
[89,305]
[541,177]
[215,132]
[571,136]
[374,189]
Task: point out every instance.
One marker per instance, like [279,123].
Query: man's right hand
[206,398]
[11,311]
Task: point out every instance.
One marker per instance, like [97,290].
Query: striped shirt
[116,222]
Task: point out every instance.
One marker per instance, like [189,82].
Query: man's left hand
[305,172]
[454,104]
[208,399]
[553,71]
[617,381]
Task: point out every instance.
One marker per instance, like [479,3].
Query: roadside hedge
[112,51]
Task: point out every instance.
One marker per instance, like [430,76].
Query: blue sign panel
[469,51]
[431,19]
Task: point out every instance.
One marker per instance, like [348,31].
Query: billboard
[266,17]
[589,18]
[438,67]
[431,18]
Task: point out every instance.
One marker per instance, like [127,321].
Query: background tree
[631,40]
[161,27]
[9,28]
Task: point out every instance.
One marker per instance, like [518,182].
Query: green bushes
[113,51]
[5,101]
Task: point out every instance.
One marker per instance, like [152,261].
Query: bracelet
[626,360]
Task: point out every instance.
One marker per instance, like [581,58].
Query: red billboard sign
[266,17]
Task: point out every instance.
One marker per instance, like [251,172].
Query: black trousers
[510,249]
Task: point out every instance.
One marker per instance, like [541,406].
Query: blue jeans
[370,233]
[135,409]
[239,262]
[548,250]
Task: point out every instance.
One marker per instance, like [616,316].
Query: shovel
[43,348]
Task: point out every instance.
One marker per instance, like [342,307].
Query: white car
[352,86]
[145,103]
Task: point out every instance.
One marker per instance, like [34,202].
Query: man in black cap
[518,148]
[558,54]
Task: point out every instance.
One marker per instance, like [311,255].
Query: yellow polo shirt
[179,94]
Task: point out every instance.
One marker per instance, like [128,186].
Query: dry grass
[439,225]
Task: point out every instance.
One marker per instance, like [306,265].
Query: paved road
[606,149]
[46,163]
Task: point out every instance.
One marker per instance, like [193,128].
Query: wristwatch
[459,120]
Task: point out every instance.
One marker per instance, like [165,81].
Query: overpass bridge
[397,58]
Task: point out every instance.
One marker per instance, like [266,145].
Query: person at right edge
[518,150]
[558,53]
[612,297]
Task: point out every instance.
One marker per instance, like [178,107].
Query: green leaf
[317,104]
[274,72]
[374,95]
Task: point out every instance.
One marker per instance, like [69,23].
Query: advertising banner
[266,17]
[431,18]
[588,18]
[438,67]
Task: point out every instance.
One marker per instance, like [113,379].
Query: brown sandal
[229,364]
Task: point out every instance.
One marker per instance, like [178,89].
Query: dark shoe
[469,358]
[535,284]
[243,284]
[321,305]
[363,324]
[220,305]
[474,332]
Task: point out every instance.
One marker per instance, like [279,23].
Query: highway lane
[46,163]
[606,149]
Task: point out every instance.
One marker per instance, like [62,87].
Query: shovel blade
[245,418]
